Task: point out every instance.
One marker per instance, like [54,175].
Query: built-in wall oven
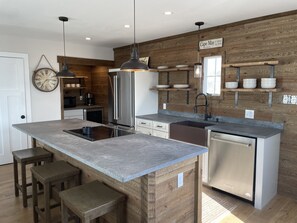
[232,164]
[93,114]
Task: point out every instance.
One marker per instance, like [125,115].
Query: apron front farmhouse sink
[189,131]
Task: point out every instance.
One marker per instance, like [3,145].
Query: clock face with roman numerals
[45,79]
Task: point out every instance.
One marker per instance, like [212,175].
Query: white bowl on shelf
[181,66]
[250,83]
[180,85]
[162,86]
[231,84]
[268,82]
[162,67]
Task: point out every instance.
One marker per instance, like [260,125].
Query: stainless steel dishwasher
[232,164]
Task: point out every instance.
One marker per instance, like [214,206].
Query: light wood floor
[217,207]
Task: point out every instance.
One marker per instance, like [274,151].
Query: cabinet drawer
[74,112]
[144,123]
[160,126]
[74,116]
[146,131]
[160,134]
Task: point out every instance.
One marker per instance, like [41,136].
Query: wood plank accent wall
[272,37]
[96,83]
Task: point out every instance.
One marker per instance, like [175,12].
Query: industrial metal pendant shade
[134,64]
[64,73]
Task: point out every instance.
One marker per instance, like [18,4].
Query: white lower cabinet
[75,113]
[153,128]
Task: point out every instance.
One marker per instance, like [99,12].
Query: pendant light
[134,64]
[198,66]
[64,73]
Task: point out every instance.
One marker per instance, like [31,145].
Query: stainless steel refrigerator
[130,95]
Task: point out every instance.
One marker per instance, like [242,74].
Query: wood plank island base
[144,168]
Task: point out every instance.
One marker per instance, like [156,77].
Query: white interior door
[14,103]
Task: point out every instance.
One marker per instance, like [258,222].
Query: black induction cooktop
[98,132]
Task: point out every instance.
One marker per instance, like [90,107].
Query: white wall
[46,106]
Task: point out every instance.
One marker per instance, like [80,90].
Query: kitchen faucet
[206,115]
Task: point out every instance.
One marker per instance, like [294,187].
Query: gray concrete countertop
[162,118]
[245,130]
[123,158]
[83,107]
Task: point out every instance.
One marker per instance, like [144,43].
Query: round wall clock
[44,79]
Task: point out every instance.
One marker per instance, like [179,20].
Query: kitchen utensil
[180,85]
[162,67]
[162,86]
[67,85]
[77,85]
[181,66]
[250,83]
[268,82]
[231,84]
[72,85]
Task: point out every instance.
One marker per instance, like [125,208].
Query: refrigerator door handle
[115,97]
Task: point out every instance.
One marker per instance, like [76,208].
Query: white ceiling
[104,20]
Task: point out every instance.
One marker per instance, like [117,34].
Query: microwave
[69,102]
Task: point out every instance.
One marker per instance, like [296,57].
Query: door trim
[27,84]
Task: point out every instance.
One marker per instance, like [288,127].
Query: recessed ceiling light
[168,13]
[88,38]
[127,26]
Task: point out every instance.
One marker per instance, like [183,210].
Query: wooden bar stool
[53,176]
[24,157]
[92,200]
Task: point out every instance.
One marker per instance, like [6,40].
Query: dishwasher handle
[231,142]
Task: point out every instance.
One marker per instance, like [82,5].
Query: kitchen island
[145,168]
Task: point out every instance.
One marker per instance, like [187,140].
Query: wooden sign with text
[212,43]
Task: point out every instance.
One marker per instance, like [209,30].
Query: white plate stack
[250,83]
[268,82]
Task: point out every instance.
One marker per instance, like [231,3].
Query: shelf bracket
[271,71]
[236,99]
[167,96]
[237,74]
[270,99]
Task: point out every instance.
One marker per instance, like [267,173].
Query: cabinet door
[75,113]
[146,131]
[160,126]
[144,123]
[160,134]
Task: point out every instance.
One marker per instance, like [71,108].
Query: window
[212,75]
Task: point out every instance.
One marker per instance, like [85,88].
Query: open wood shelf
[249,64]
[73,88]
[80,77]
[173,89]
[175,69]
[265,90]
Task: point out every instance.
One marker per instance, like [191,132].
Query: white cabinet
[75,113]
[153,128]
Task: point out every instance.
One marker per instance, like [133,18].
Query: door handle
[231,142]
[23,116]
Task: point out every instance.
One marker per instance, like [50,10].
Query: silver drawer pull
[231,142]
[159,126]
[144,123]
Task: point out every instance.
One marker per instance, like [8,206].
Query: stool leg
[47,203]
[64,213]
[16,177]
[34,198]
[24,185]
[120,211]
